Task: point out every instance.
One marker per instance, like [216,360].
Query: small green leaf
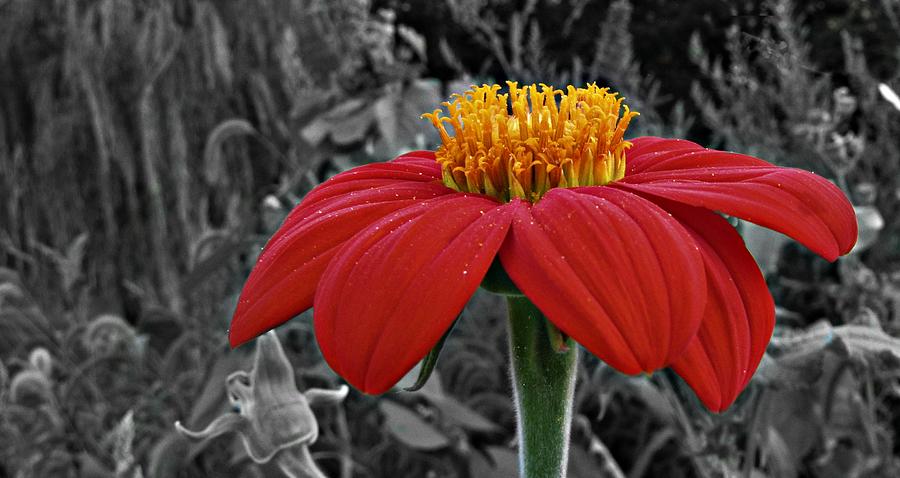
[559,341]
[430,361]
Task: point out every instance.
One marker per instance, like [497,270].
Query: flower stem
[543,383]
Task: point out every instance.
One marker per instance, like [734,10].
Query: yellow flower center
[521,144]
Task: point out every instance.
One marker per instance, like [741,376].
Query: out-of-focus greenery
[148,148]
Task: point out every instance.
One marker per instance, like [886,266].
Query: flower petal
[647,151]
[739,316]
[284,280]
[394,289]
[797,203]
[613,271]
[409,169]
[423,156]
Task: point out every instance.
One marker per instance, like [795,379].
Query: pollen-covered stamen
[521,144]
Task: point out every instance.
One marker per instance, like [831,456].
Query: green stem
[543,383]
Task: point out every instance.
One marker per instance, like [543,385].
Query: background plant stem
[296,462]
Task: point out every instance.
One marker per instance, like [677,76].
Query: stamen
[544,143]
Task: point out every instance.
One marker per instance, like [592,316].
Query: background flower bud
[30,388]
[40,359]
[108,334]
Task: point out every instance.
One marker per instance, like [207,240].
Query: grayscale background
[148,148]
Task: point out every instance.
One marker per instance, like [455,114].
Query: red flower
[621,250]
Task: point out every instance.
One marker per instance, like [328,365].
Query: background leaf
[410,429]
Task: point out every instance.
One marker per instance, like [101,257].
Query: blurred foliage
[148,148]
[769,97]
[118,121]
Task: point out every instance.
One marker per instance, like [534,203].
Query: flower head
[617,242]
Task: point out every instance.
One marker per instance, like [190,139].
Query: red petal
[283,282]
[739,315]
[394,289]
[795,202]
[407,169]
[649,150]
[613,271]
[419,156]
